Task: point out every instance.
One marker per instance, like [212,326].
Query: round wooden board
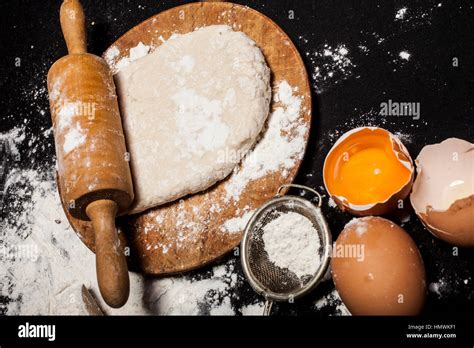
[187,234]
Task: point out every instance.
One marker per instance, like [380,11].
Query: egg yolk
[364,168]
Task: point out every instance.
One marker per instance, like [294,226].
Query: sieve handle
[301,187]
[267,309]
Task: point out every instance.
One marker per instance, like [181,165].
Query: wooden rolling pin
[93,165]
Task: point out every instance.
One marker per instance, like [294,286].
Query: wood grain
[94,176]
[186,234]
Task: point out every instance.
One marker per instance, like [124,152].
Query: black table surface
[436,34]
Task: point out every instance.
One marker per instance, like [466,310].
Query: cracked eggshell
[390,204]
[443,192]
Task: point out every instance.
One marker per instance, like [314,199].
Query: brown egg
[377,269]
[443,192]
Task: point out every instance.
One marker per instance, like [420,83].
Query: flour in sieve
[292,242]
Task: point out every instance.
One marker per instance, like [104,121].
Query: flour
[73,138]
[253,309]
[332,203]
[184,296]
[111,54]
[186,63]
[372,118]
[43,264]
[237,224]
[404,55]
[137,52]
[401,13]
[333,302]
[292,242]
[405,138]
[360,225]
[281,145]
[199,122]
[437,287]
[14,137]
[332,64]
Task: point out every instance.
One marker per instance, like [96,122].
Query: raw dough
[191,110]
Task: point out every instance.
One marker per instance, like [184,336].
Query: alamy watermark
[350,251]
[19,252]
[399,109]
[70,109]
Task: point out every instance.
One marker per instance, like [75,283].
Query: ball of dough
[191,110]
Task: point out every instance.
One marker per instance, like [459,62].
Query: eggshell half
[443,192]
[377,208]
[377,269]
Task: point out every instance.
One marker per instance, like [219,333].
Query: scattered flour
[281,145]
[42,262]
[292,242]
[404,55]
[448,283]
[139,51]
[404,137]
[73,138]
[199,122]
[332,203]
[332,65]
[237,224]
[360,225]
[334,302]
[111,55]
[437,287]
[253,309]
[401,13]
[184,296]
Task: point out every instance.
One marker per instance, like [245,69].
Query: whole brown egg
[377,269]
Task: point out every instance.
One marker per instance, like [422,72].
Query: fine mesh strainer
[267,279]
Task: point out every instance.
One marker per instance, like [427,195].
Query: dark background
[432,34]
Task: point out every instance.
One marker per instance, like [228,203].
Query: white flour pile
[292,242]
[43,264]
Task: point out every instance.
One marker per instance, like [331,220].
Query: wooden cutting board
[188,233]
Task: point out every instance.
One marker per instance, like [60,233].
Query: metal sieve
[267,279]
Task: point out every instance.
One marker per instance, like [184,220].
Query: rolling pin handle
[73,25]
[111,265]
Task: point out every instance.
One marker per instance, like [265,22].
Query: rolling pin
[92,161]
